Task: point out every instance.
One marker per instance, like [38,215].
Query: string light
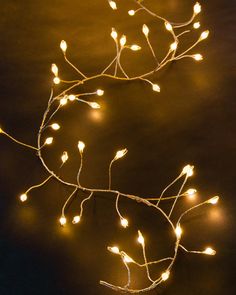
[154,203]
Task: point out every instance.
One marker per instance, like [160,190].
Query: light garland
[55,103]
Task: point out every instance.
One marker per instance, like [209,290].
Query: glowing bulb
[114,34]
[71,97]
[49,140]
[165,275]
[209,251]
[140,238]
[76,219]
[188,170]
[135,47]
[191,192]
[62,220]
[197,8]
[113,4]
[196,25]
[64,157]
[55,126]
[100,92]
[63,46]
[81,146]
[204,35]
[168,26]
[120,154]
[63,101]
[124,222]
[114,249]
[145,30]
[156,88]
[1,131]
[178,231]
[213,200]
[128,259]
[122,40]
[23,197]
[94,105]
[54,69]
[131,12]
[173,46]
[198,57]
[56,80]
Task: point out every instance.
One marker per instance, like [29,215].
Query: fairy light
[172,54]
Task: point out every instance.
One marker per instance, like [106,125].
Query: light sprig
[55,103]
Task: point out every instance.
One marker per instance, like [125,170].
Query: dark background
[192,121]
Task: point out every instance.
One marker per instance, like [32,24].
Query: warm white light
[76,219]
[209,251]
[94,105]
[191,192]
[100,92]
[63,46]
[120,154]
[197,8]
[23,197]
[71,97]
[114,34]
[188,170]
[49,140]
[62,220]
[128,259]
[168,26]
[81,146]
[156,88]
[64,157]
[178,231]
[204,35]
[114,249]
[131,12]
[213,200]
[113,4]
[56,80]
[173,46]
[54,69]
[1,131]
[140,238]
[145,30]
[63,101]
[198,57]
[196,25]
[124,222]
[123,41]
[165,275]
[55,126]
[135,47]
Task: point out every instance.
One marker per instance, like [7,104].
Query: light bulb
[173,46]
[63,101]
[81,146]
[113,4]
[196,25]
[178,231]
[100,92]
[197,8]
[145,30]
[165,275]
[56,80]
[114,34]
[63,46]
[191,192]
[64,157]
[49,140]
[62,220]
[114,249]
[131,12]
[135,47]
[128,259]
[54,69]
[122,40]
[71,97]
[23,197]
[188,170]
[94,105]
[55,126]
[124,222]
[1,130]
[156,88]
[209,251]
[120,154]
[204,35]
[198,57]
[140,238]
[76,219]
[168,26]
[213,200]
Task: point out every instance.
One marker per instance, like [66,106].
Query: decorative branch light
[55,103]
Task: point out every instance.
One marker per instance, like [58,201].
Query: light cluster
[55,103]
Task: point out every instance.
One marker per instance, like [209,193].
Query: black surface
[192,120]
